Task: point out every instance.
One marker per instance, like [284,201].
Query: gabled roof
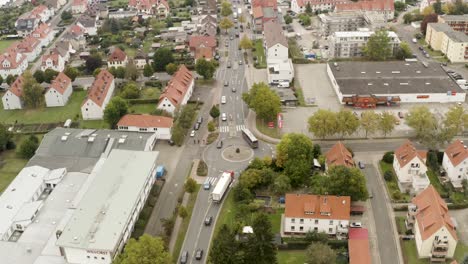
[61,83]
[432,213]
[202,41]
[257,12]
[17,86]
[100,87]
[274,34]
[27,45]
[339,155]
[13,57]
[205,53]
[117,55]
[54,57]
[178,86]
[146,121]
[373,5]
[265,3]
[41,31]
[164,3]
[457,152]
[87,21]
[317,206]
[79,2]
[77,30]
[407,152]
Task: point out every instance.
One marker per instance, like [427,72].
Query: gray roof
[274,34]
[457,36]
[391,77]
[107,206]
[449,18]
[440,26]
[285,94]
[77,154]
[87,21]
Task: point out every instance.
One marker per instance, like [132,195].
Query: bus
[250,138]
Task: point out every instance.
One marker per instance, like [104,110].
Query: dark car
[199,254]
[219,144]
[200,120]
[208,220]
[196,126]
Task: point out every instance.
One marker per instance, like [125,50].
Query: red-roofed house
[44,34]
[455,163]
[299,6]
[12,63]
[162,9]
[42,12]
[378,11]
[117,58]
[433,228]
[263,11]
[319,213]
[12,99]
[161,125]
[53,61]
[202,47]
[339,155]
[99,95]
[59,91]
[178,90]
[410,167]
[79,6]
[358,246]
[29,46]
[150,7]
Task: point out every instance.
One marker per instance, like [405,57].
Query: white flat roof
[344,34]
[105,209]
[18,193]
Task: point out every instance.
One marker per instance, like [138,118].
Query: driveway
[461,216]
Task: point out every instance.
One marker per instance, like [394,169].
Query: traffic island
[237,153]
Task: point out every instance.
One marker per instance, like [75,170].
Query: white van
[223,99]
[283,85]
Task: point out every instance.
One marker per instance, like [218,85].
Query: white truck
[239,11]
[222,186]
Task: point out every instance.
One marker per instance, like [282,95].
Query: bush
[202,169]
[211,126]
[28,147]
[10,145]
[397,195]
[388,157]
[190,185]
[388,175]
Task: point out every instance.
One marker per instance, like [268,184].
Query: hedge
[142,101]
[302,244]
[300,61]
[457,206]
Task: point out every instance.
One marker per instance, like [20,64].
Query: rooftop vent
[91,139]
[64,138]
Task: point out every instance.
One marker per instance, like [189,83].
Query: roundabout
[237,153]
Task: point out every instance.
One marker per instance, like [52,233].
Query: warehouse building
[392,82]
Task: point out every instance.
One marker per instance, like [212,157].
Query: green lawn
[260,54]
[460,251]
[45,114]
[185,224]
[291,256]
[410,254]
[142,108]
[150,93]
[227,214]
[4,44]
[263,128]
[93,124]
[392,186]
[275,220]
[436,183]
[401,226]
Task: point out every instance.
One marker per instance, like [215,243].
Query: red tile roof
[206,53]
[79,2]
[456,152]
[317,206]
[17,86]
[13,57]
[100,87]
[339,155]
[27,45]
[145,121]
[117,55]
[265,3]
[61,83]
[178,86]
[77,30]
[52,56]
[257,12]
[358,246]
[164,3]
[202,41]
[39,9]
[41,31]
[407,152]
[367,5]
[432,213]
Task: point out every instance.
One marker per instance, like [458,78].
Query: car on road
[219,144]
[233,89]
[216,57]
[356,225]
[207,185]
[200,120]
[226,83]
[240,62]
[171,142]
[199,254]
[184,257]
[223,99]
[361,165]
[415,40]
[223,117]
[371,194]
[229,64]
[208,220]
[226,44]
[192,134]
[196,126]
[421,48]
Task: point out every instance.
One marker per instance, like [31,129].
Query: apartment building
[350,44]
[99,95]
[457,22]
[342,21]
[455,163]
[280,67]
[452,43]
[178,90]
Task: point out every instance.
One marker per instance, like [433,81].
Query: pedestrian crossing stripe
[212,180]
[225,129]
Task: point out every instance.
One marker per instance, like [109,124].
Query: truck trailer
[222,186]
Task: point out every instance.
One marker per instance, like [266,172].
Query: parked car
[200,120]
[229,64]
[208,220]
[196,126]
[226,83]
[199,254]
[356,225]
[361,165]
[192,134]
[233,89]
[371,194]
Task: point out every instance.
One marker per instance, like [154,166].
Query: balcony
[341,229]
[437,259]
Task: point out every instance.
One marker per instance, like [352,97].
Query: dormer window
[309,212]
[325,213]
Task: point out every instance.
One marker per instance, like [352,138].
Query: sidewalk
[178,222]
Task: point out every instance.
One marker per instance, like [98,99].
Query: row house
[117,58]
[79,6]
[12,99]
[140,60]
[59,91]
[158,8]
[44,34]
[410,167]
[178,90]
[99,95]
[202,47]
[12,63]
[456,22]
[280,67]
[455,163]
[339,155]
[262,12]
[207,25]
[53,61]
[161,125]
[29,47]
[29,21]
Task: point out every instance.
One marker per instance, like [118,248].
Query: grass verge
[4,44]
[400,223]
[260,54]
[142,108]
[410,254]
[275,220]
[262,126]
[436,183]
[227,213]
[212,137]
[291,256]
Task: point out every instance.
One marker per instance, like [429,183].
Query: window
[293,220]
[88,256]
[331,222]
[315,229]
[316,221]
[330,230]
[301,228]
[301,221]
[102,258]
[293,227]
[86,109]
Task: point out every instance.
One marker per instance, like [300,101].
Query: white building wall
[285,74]
[277,52]
[405,174]
[162,132]
[328,226]
[31,56]
[90,110]
[54,98]
[424,247]
[79,256]
[457,173]
[11,101]
[167,105]
[189,92]
[16,71]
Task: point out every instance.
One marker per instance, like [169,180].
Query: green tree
[131,72]
[71,72]
[182,211]
[130,91]
[438,7]
[320,253]
[295,154]
[421,120]
[145,250]
[399,6]
[178,135]
[226,8]
[313,236]
[250,178]
[226,24]
[323,123]
[118,72]
[28,147]
[10,79]
[205,68]
[346,181]
[162,57]
[378,46]
[288,19]
[455,121]
[245,43]
[39,76]
[225,249]
[407,18]
[93,62]
[214,112]
[387,123]
[148,70]
[265,102]
[281,184]
[171,68]
[260,247]
[305,20]
[190,185]
[404,51]
[1,80]
[369,122]
[116,108]
[308,9]
[5,137]
[242,19]
[66,15]
[49,75]
[430,18]
[347,123]
[242,194]
[32,91]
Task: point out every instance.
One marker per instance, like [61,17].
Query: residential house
[207,25]
[175,36]
[316,213]
[433,228]
[64,48]
[456,22]
[350,44]
[455,163]
[299,6]
[117,58]
[178,90]
[410,167]
[12,99]
[263,11]
[88,24]
[25,25]
[53,61]
[162,9]
[161,125]
[12,63]
[202,47]
[29,46]
[140,60]
[280,67]
[59,91]
[339,155]
[42,12]
[99,95]
[55,5]
[76,37]
[97,10]
[358,246]
[453,44]
[44,34]
[79,6]
[377,11]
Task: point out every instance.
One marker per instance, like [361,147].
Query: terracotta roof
[28,44]
[79,2]
[145,121]
[457,152]
[339,155]
[38,10]
[265,3]
[257,12]
[202,41]
[61,83]
[372,5]
[53,56]
[317,206]
[13,57]
[206,53]
[77,30]
[98,90]
[17,86]
[178,86]
[358,246]
[164,3]
[117,55]
[432,213]
[41,31]
[406,152]
[274,34]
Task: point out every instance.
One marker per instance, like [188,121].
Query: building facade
[443,38]
[117,58]
[12,63]
[455,163]
[342,21]
[160,125]
[178,90]
[12,99]
[59,91]
[350,44]
[410,167]
[275,43]
[99,95]
[456,22]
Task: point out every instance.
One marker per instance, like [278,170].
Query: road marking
[224,129]
[240,127]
